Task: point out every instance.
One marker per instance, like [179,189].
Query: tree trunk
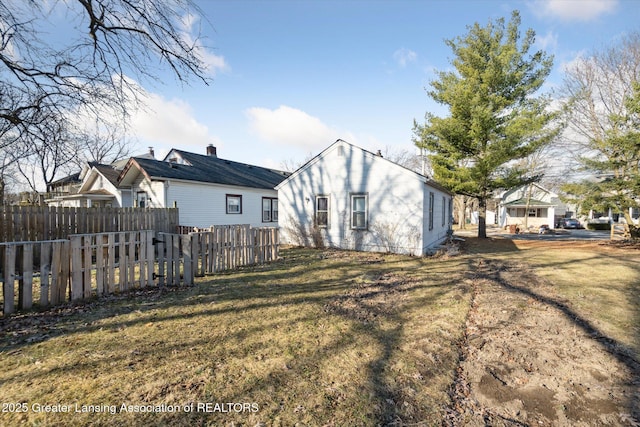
[1,191]
[482,218]
[462,211]
[632,229]
[526,208]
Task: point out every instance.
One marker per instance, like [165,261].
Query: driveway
[558,234]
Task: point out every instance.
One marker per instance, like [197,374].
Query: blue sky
[290,77]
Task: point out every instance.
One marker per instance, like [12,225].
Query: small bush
[598,226]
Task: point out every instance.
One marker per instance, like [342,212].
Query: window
[141,199]
[359,212]
[269,209]
[322,211]
[444,210]
[431,200]
[234,204]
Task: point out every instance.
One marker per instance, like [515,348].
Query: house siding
[203,205]
[536,193]
[394,195]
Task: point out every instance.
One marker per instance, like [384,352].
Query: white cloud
[404,56]
[574,10]
[548,41]
[168,124]
[292,127]
[572,64]
[213,63]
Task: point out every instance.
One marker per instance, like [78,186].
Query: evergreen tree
[494,116]
[615,158]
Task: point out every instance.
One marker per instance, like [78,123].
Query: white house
[350,198]
[95,186]
[206,189]
[530,205]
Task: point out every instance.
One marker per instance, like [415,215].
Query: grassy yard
[600,282]
[337,338]
[316,338]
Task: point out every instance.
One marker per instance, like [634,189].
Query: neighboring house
[97,186]
[530,205]
[64,186]
[350,198]
[207,190]
[100,188]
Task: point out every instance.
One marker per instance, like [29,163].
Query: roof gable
[97,169]
[341,144]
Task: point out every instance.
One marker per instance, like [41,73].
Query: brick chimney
[211,151]
[152,153]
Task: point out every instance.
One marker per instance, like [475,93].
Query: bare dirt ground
[529,360]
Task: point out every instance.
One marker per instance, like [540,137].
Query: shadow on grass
[333,290]
[494,270]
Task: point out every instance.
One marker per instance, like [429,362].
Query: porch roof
[532,203]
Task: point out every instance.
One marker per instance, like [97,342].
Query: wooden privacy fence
[55,271]
[33,223]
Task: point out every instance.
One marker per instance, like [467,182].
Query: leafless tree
[50,151]
[113,47]
[98,143]
[596,87]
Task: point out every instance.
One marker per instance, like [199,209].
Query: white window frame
[364,212]
[231,207]
[269,209]
[317,211]
[431,202]
[142,199]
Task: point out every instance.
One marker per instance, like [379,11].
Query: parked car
[570,223]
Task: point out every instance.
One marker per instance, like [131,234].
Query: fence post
[149,256]
[187,254]
[9,277]
[25,287]
[76,267]
[161,258]
[45,268]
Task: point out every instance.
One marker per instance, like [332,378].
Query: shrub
[599,226]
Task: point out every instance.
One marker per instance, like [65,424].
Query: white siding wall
[202,205]
[395,203]
[101,183]
[441,217]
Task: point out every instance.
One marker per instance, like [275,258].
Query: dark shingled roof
[213,170]
[107,171]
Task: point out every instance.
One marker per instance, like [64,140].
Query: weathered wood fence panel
[110,262]
[32,223]
[226,247]
[18,265]
[56,271]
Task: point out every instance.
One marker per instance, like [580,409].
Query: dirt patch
[377,294]
[527,359]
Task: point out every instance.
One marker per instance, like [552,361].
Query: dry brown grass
[320,337]
[600,281]
[317,338]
